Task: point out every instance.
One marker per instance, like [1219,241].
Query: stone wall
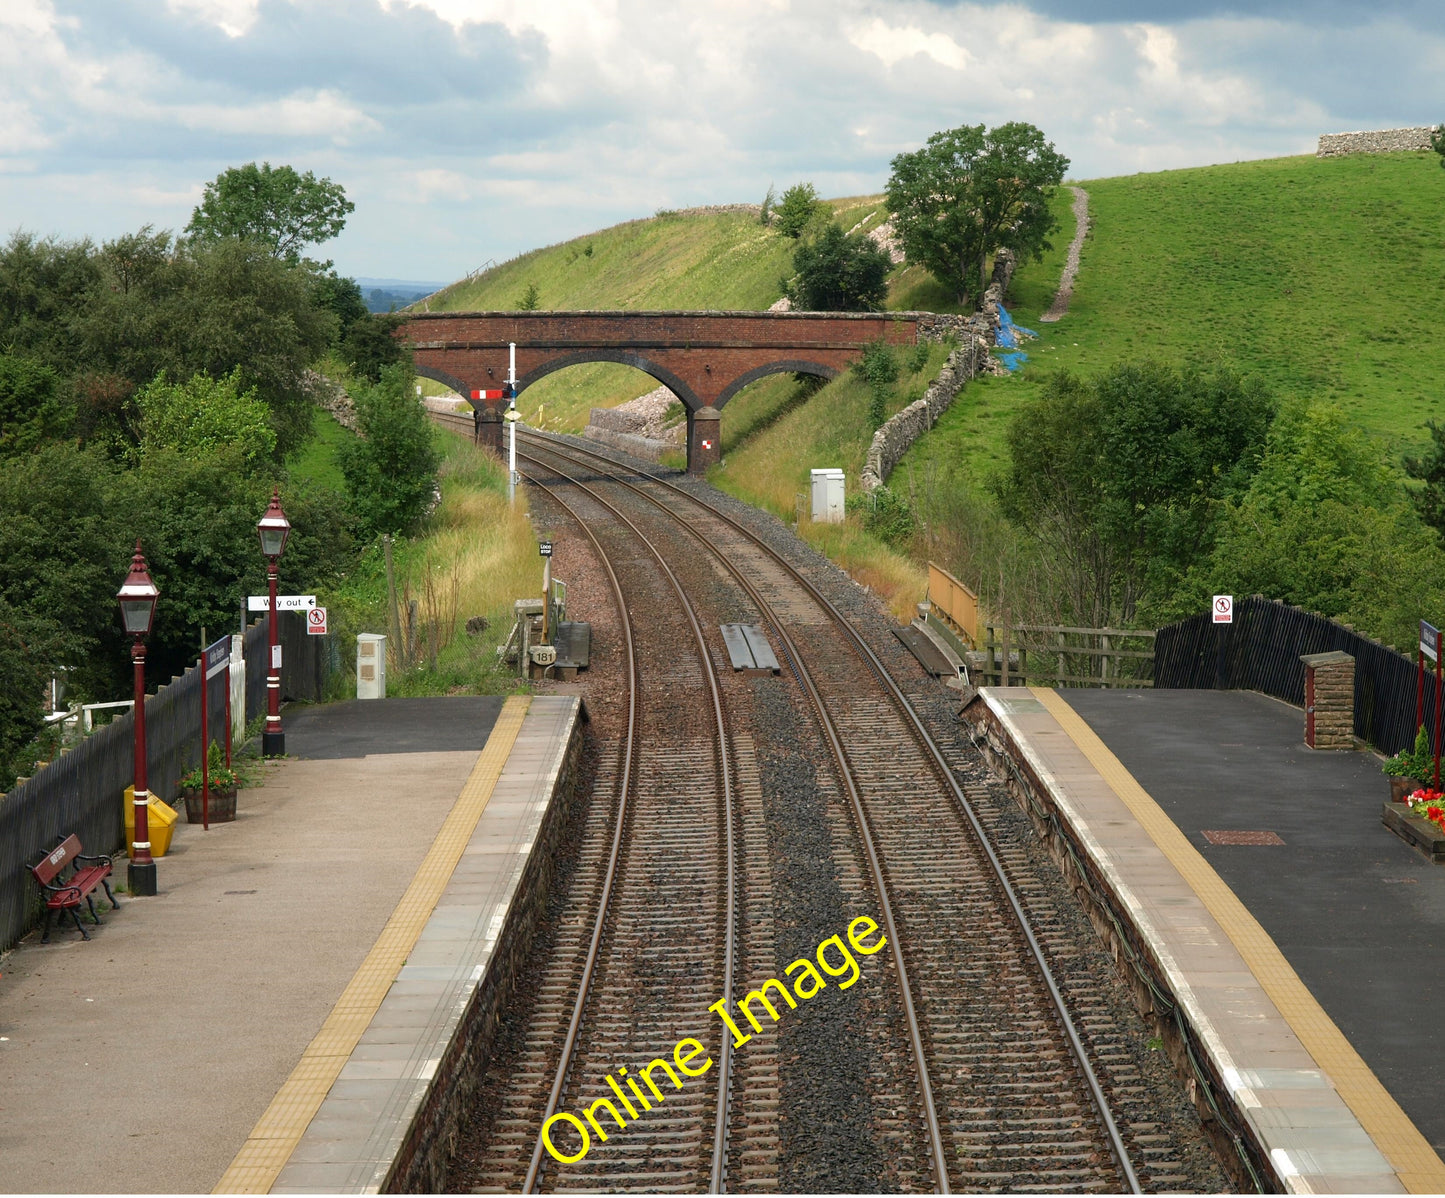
[649,449]
[330,396]
[974,333]
[891,441]
[1380,141]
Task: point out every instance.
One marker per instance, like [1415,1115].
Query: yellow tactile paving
[1419,1168]
[280,1128]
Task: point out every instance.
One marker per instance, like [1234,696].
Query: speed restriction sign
[316,621]
[1223,609]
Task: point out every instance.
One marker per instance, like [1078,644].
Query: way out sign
[316,621]
[1430,641]
[1224,609]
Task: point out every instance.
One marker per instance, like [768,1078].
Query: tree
[1120,478]
[967,193]
[839,272]
[879,369]
[1430,470]
[391,468]
[205,414]
[799,205]
[371,343]
[1437,142]
[31,407]
[531,299]
[275,206]
[1325,524]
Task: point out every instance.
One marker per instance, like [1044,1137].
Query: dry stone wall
[1380,141]
[891,441]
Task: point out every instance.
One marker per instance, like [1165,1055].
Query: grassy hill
[1322,276]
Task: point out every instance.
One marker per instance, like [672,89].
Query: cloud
[469,129]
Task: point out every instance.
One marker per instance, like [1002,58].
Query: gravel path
[1071,265]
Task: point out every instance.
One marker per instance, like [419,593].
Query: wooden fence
[1261,650]
[81,790]
[953,602]
[1058,655]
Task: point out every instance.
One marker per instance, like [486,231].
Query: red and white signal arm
[495,393]
[316,621]
[1224,609]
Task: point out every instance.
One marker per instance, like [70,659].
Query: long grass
[475,556]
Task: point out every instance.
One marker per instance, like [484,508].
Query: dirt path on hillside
[1071,263]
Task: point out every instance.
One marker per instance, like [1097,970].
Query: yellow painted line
[279,1130]
[1419,1168]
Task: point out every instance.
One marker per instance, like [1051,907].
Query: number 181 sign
[1224,609]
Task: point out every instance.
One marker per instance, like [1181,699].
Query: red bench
[67,893]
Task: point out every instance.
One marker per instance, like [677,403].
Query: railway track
[1001,1093]
[625,966]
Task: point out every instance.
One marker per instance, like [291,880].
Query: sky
[468,131]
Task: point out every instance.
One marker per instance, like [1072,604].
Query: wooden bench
[67,893]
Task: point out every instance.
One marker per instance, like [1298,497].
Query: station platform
[1297,935]
[275,1016]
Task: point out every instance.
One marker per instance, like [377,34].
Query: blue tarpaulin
[1008,338]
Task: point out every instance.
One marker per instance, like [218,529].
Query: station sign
[283,602]
[217,657]
[1223,609]
[1430,641]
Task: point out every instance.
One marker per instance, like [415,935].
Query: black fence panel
[82,790]
[1261,652]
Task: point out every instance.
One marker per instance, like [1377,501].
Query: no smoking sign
[1224,609]
[316,621]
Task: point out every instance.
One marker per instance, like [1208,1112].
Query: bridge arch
[446,380]
[667,378]
[786,366]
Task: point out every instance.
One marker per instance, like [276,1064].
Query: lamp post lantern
[137,597]
[273,529]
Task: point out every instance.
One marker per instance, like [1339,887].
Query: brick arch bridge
[704,357]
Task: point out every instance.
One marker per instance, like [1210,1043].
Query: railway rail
[983,1080]
[1003,1094]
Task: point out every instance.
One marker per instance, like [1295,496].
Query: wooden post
[991,668]
[1003,677]
[1105,645]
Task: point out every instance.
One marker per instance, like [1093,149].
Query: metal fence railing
[1261,650]
[81,790]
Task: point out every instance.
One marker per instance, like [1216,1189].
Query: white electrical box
[370,665]
[827,496]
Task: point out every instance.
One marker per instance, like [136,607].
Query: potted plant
[1410,769]
[223,783]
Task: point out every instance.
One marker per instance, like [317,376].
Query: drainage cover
[1230,836]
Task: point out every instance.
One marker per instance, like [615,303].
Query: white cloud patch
[234,18]
[891,44]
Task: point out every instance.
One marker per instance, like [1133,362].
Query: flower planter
[223,805]
[1415,830]
[1401,785]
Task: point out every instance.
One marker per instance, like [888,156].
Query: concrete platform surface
[1357,912]
[188,1010]
[1229,762]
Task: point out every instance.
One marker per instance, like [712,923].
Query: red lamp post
[137,597]
[273,529]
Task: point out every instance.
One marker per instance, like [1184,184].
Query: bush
[839,272]
[879,369]
[391,468]
[886,515]
[204,414]
[799,205]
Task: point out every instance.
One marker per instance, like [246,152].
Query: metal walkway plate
[748,648]
[574,643]
[929,656]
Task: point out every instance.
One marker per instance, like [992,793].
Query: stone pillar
[487,423]
[704,446]
[1329,700]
